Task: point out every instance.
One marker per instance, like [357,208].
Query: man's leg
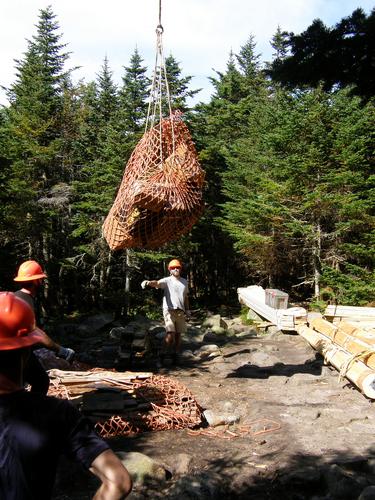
[169,339]
[180,324]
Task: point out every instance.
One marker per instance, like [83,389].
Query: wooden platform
[254,297]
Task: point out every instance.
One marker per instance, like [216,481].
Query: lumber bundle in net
[122,404]
[160,196]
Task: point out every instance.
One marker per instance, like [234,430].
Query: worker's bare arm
[116,481]
[47,342]
[153,283]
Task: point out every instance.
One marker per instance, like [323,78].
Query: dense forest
[288,151]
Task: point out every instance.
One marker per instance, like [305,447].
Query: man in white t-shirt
[175,305]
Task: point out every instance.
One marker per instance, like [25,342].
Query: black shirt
[27,297]
[34,431]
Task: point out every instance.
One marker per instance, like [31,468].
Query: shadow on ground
[314,367]
[336,476]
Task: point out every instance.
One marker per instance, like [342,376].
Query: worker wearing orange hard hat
[30,275]
[35,430]
[175,305]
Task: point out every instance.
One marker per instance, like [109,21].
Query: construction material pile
[122,404]
[351,350]
[160,197]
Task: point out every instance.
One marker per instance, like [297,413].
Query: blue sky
[199,33]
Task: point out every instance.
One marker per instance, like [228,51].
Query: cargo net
[171,406]
[157,402]
[160,197]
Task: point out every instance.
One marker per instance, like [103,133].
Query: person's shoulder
[184,281]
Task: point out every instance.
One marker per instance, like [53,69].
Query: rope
[266,426]
[159,78]
[361,356]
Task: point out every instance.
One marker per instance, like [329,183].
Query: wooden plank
[350,311]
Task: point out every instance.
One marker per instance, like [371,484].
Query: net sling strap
[161,193]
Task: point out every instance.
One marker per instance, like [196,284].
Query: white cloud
[199,33]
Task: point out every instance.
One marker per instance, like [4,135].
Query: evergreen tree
[217,125]
[107,93]
[228,85]
[33,133]
[179,86]
[339,57]
[134,95]
[287,206]
[280,44]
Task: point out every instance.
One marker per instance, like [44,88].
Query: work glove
[66,353]
[144,284]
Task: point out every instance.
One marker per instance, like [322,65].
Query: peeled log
[358,373]
[353,340]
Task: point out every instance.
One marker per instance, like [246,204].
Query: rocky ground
[301,432]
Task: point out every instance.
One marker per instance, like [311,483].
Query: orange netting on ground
[171,406]
[158,402]
[160,196]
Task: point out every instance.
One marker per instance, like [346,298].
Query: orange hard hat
[174,263]
[17,323]
[30,270]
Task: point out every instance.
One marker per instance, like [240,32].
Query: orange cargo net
[171,406]
[160,196]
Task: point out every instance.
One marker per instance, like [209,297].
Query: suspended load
[160,197]
[161,193]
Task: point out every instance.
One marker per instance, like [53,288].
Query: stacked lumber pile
[125,403]
[362,316]
[350,349]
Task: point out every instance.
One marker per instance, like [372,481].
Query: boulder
[199,487]
[117,332]
[141,467]
[95,323]
[214,321]
[181,464]
[214,419]
[218,330]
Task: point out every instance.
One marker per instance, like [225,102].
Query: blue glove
[66,353]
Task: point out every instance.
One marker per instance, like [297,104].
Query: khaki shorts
[174,320]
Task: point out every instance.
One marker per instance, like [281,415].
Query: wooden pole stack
[347,348]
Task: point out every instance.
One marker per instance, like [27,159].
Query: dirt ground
[318,445]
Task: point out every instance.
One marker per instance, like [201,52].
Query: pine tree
[295,195]
[279,43]
[179,86]
[134,95]
[33,134]
[107,93]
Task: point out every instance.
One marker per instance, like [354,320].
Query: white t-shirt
[175,292]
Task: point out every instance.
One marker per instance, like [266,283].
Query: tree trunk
[317,248]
